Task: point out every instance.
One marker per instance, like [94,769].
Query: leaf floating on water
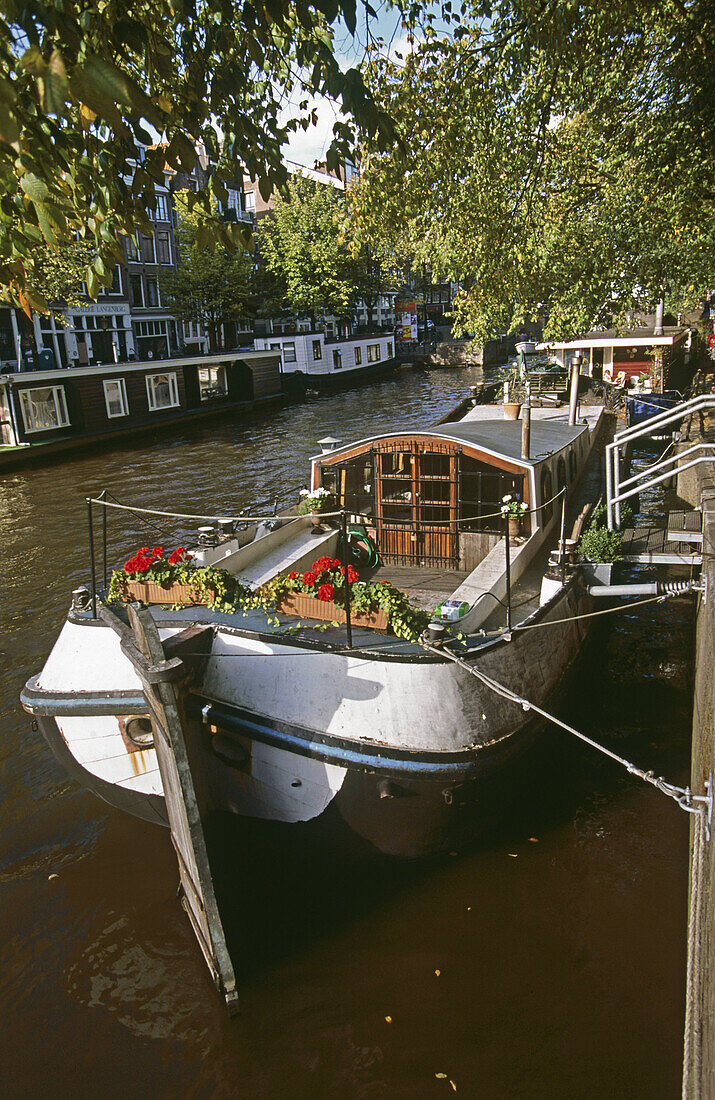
[49,877]
[388,1019]
[534,839]
[454,1087]
[514,855]
[441,1076]
[438,972]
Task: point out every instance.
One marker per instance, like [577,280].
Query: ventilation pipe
[658,328]
[526,424]
[573,390]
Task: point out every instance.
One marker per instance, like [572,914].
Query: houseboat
[44,412]
[628,356]
[310,360]
[384,731]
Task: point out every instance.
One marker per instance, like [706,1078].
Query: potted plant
[321,593]
[314,501]
[515,391]
[515,510]
[174,579]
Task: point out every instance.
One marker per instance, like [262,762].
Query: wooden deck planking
[651,545]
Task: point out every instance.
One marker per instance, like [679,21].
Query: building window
[358,356]
[337,359]
[289,353]
[317,349]
[115,398]
[249,201]
[136,292]
[161,208]
[162,391]
[132,250]
[163,247]
[148,250]
[152,291]
[373,353]
[44,408]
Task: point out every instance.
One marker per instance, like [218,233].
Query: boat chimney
[658,327]
[330,443]
[573,388]
[526,424]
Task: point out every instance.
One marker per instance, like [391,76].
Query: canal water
[547,960]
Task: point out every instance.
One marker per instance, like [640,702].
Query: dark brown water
[547,961]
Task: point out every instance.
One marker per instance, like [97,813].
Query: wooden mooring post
[165,677]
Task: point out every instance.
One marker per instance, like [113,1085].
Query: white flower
[506,499]
[505,510]
[305,492]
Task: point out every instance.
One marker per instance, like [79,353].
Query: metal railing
[618,490]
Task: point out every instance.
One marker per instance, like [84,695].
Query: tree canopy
[82,87]
[211,284]
[304,246]
[557,159]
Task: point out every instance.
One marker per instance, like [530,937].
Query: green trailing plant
[216,588]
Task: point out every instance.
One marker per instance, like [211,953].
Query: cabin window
[389,349]
[358,356]
[212,382]
[352,483]
[561,474]
[547,492]
[572,466]
[373,353]
[162,391]
[115,397]
[44,408]
[289,352]
[481,491]
[337,360]
[317,349]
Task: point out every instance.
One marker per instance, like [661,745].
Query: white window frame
[173,391]
[60,404]
[317,350]
[289,355]
[358,355]
[373,353]
[161,201]
[337,359]
[121,386]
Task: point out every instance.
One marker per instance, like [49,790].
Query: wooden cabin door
[416,505]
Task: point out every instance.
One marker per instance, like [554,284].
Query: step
[685,527]
[288,556]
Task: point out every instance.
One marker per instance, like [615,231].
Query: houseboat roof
[485,429]
[620,338]
[160,365]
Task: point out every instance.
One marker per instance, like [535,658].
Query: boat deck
[424,586]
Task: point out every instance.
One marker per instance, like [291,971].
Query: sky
[308,146]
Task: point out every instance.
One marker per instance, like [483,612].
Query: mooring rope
[682,795]
[692,1041]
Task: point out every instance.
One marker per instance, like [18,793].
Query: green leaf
[35,188]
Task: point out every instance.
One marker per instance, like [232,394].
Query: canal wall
[697,486]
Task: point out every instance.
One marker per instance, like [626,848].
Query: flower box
[307,607]
[185,595]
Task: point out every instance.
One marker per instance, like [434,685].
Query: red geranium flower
[326,592]
[176,555]
[158,551]
[309,579]
[292,576]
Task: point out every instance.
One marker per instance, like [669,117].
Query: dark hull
[297,383]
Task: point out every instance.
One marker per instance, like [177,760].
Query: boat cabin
[434,498]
